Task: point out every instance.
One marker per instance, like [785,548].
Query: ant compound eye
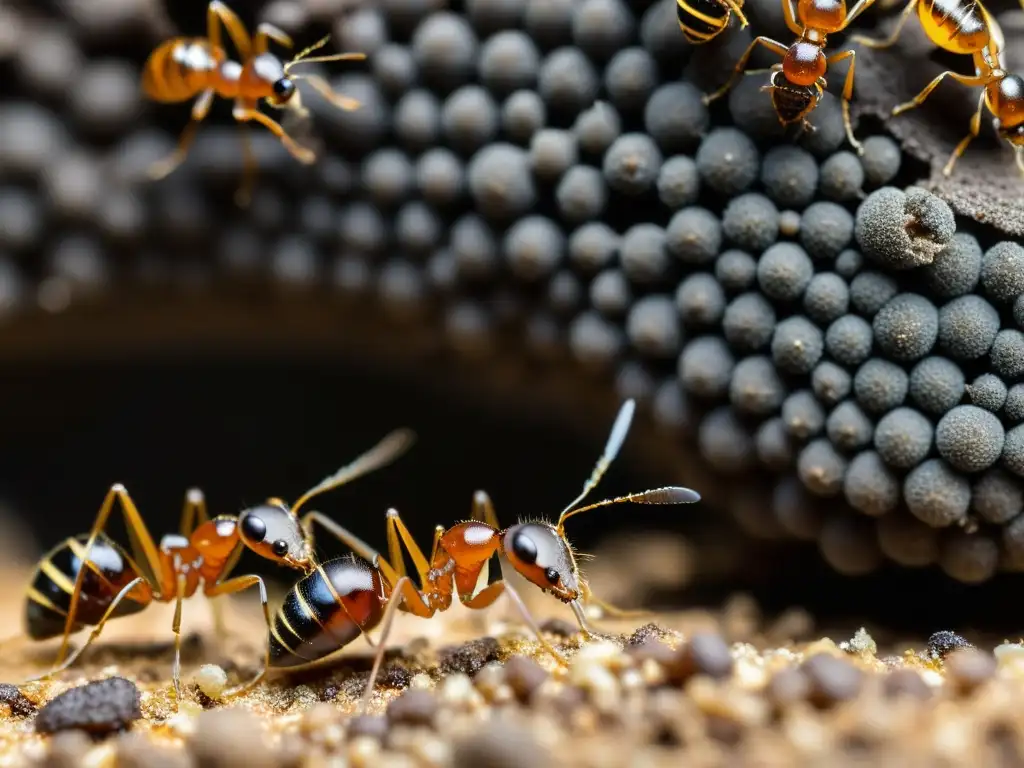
[524,548]
[283,88]
[253,528]
[551,575]
[279,548]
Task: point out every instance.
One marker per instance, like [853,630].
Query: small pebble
[413,707]
[703,654]
[832,680]
[212,680]
[524,676]
[969,668]
[906,682]
[99,708]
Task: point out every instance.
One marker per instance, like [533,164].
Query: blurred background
[155,334]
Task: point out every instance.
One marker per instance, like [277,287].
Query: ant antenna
[382,454]
[668,495]
[611,449]
[304,58]
[671,494]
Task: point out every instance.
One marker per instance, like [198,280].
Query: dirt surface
[710,688]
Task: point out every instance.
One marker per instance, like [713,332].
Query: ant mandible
[349,596]
[63,597]
[183,68]
[966,27]
[798,83]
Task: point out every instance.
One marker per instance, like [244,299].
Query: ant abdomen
[325,611]
[791,102]
[702,20]
[955,25]
[49,592]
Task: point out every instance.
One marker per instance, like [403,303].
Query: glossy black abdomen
[325,611]
[49,592]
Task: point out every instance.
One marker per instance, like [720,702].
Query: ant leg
[267,32]
[438,532]
[217,11]
[483,510]
[857,10]
[589,598]
[767,42]
[968,80]
[125,591]
[200,108]
[322,87]
[492,592]
[140,536]
[581,618]
[350,540]
[871,42]
[1019,152]
[176,628]
[848,95]
[395,547]
[396,529]
[398,596]
[736,6]
[790,15]
[244,114]
[237,584]
[193,513]
[962,146]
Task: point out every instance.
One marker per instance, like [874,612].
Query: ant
[798,83]
[704,20]
[185,67]
[345,597]
[965,27]
[63,597]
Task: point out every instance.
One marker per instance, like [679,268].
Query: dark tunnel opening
[243,429]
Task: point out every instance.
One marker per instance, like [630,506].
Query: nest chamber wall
[531,216]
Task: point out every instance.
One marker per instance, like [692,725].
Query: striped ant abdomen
[326,611]
[49,592]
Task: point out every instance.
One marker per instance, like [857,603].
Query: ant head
[541,555]
[273,532]
[284,89]
[273,78]
[792,102]
[541,552]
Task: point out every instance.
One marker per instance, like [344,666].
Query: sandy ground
[472,688]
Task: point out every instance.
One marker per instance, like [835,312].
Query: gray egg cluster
[547,171]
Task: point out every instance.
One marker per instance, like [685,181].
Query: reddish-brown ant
[183,68]
[63,597]
[345,597]
[966,27]
[798,83]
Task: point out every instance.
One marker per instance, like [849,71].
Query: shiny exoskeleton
[49,592]
[64,597]
[798,83]
[343,598]
[965,27]
[183,68]
[703,20]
